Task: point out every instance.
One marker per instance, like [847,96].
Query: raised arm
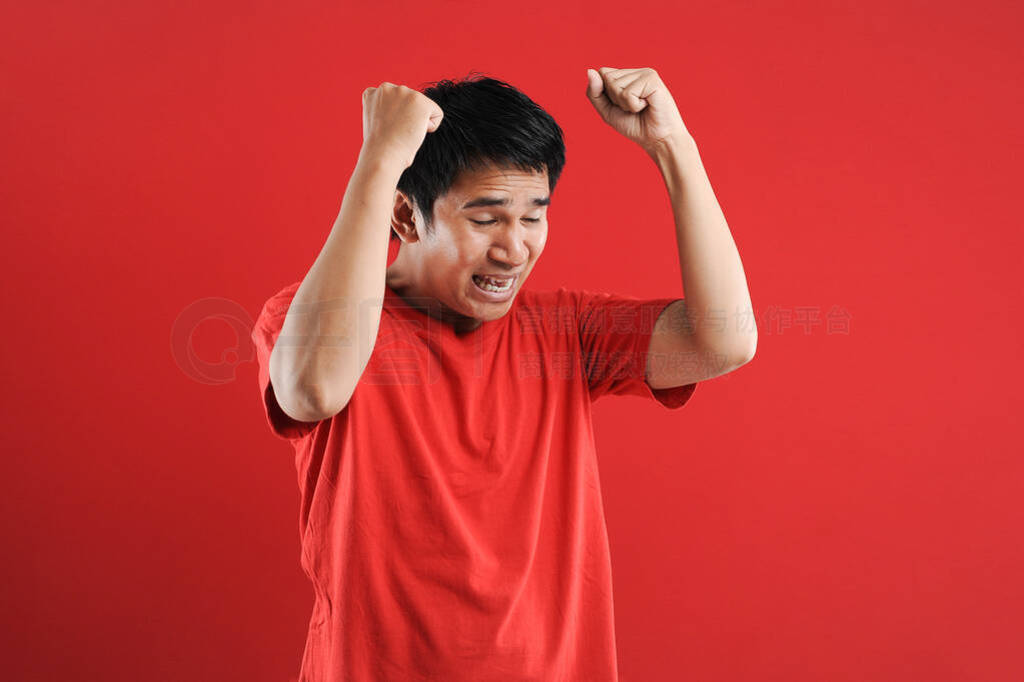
[710,332]
[329,331]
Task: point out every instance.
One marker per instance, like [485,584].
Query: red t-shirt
[451,518]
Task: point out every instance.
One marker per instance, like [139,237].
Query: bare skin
[329,331]
[709,333]
[331,326]
[434,269]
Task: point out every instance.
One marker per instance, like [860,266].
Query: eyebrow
[502,201]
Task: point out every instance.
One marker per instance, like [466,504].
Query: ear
[403,218]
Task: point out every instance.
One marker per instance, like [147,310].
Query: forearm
[332,323]
[717,299]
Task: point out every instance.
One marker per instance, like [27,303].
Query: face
[489,230]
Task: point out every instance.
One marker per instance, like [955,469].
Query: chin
[500,313]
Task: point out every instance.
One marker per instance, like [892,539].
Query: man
[451,515]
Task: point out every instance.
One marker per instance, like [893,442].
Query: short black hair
[486,121]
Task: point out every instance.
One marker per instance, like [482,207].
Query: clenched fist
[396,120]
[637,104]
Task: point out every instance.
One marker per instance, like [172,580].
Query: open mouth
[493,284]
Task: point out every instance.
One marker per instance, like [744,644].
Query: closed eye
[494,220]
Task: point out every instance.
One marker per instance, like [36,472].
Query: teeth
[488,284]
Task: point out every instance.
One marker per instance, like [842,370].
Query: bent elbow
[329,405]
[301,404]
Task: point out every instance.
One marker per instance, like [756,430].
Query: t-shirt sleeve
[615,336]
[264,335]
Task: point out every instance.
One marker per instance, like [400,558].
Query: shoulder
[580,304]
[534,299]
[560,301]
[551,312]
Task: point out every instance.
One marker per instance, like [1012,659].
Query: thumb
[436,116]
[595,92]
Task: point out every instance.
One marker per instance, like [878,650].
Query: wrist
[672,146]
[379,162]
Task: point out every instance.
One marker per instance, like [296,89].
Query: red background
[845,507]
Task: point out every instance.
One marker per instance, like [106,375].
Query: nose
[510,247]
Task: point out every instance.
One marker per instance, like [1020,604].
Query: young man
[451,516]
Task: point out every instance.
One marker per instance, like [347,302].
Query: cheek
[473,247]
[539,242]
[456,252]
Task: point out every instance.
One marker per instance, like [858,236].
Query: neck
[409,290]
